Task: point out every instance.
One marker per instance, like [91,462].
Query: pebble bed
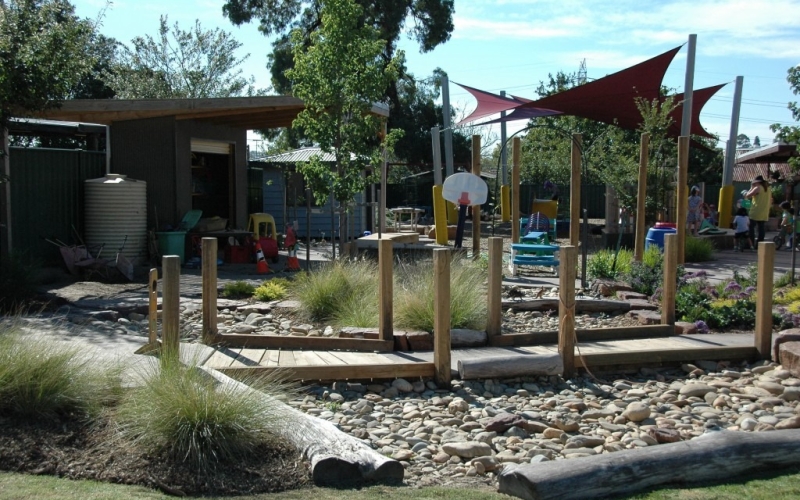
[466,433]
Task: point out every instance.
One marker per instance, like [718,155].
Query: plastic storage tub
[655,236]
[172,243]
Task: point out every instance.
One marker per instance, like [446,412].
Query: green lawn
[23,487]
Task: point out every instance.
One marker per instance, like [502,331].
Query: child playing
[741,227]
[787,222]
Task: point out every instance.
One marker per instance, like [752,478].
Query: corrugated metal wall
[274,186]
[47,190]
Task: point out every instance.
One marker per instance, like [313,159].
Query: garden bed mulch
[71,449]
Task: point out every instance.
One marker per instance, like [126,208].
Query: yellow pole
[440,215]
[505,203]
[725,207]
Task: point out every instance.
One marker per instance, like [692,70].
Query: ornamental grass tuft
[414,296]
[43,378]
[185,413]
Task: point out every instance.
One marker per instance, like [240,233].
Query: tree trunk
[716,456]
[510,366]
[336,458]
[581,305]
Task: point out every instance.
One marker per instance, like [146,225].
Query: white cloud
[483,29]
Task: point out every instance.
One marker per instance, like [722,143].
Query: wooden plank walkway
[342,365]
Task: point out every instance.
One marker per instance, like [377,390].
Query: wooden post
[495,284]
[516,155]
[575,192]
[170,349]
[670,286]
[682,198]
[766,263]
[476,209]
[441,318]
[644,157]
[566,308]
[386,313]
[152,323]
[209,290]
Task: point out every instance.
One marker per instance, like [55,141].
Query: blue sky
[513,44]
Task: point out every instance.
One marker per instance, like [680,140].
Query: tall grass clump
[341,291]
[40,378]
[601,265]
[414,296]
[186,414]
[698,249]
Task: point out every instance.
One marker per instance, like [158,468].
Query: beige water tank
[116,207]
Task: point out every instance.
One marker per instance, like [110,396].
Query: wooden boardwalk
[343,365]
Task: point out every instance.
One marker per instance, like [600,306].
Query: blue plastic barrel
[655,236]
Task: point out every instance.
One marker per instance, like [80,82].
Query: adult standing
[694,216]
[761,198]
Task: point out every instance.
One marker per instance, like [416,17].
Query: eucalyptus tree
[180,63]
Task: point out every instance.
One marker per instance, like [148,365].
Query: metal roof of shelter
[298,155]
[762,161]
[237,112]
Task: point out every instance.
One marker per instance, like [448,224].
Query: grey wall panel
[145,150]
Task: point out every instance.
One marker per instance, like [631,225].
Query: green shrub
[238,290]
[185,413]
[648,275]
[40,377]
[414,296]
[284,282]
[270,290]
[698,250]
[722,306]
[18,280]
[604,265]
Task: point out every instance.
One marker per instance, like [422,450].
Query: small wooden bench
[524,254]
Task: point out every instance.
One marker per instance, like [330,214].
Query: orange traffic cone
[290,243]
[261,262]
[292,264]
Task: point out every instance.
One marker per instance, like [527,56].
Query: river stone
[772,387]
[664,435]
[568,423]
[748,424]
[636,412]
[402,385]
[403,455]
[467,449]
[791,394]
[503,422]
[487,462]
[695,390]
[584,442]
[789,423]
[553,433]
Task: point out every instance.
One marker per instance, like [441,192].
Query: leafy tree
[743,141]
[339,76]
[411,108]
[791,133]
[180,64]
[43,55]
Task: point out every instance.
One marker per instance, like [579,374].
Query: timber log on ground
[714,456]
[337,459]
[581,305]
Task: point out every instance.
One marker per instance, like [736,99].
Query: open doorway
[213,178]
